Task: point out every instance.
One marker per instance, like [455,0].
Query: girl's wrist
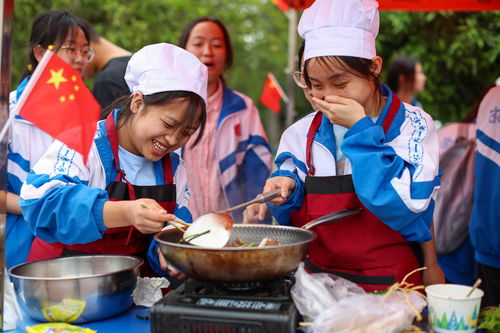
[113,214]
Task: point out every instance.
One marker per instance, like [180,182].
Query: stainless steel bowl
[76,289]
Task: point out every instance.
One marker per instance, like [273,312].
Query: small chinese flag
[272,94]
[57,101]
[282,4]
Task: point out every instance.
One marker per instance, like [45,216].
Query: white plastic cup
[450,310]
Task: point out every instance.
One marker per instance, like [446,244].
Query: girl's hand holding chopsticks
[160,215]
[146,215]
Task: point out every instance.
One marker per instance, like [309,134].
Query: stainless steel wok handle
[329,218]
[261,198]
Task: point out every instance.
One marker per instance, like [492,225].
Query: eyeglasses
[87,53]
[299,79]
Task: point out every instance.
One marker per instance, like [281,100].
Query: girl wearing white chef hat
[134,180]
[363,148]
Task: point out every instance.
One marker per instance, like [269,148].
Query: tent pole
[6,15]
[292,51]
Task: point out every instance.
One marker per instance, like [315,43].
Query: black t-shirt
[110,84]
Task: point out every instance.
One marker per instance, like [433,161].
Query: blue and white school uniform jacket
[395,175]
[62,198]
[484,224]
[242,149]
[26,146]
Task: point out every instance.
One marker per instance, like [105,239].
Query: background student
[485,215]
[70,37]
[233,159]
[406,77]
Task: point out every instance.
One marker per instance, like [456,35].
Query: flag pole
[278,86]
[292,51]
[6,15]
[19,104]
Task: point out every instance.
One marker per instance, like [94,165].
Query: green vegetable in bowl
[489,319]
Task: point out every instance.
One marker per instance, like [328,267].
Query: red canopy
[436,5]
[409,5]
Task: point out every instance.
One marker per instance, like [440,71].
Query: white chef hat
[165,67]
[340,28]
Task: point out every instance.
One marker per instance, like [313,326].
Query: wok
[243,264]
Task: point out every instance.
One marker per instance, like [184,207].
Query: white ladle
[213,230]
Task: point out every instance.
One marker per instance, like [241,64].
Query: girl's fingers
[340,110]
[284,184]
[156,214]
[288,185]
[332,103]
[165,266]
[271,184]
[148,226]
[151,204]
[168,217]
[338,99]
[161,258]
[277,201]
[262,212]
[175,273]
[250,214]
[321,103]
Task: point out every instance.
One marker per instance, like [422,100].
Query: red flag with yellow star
[272,94]
[57,101]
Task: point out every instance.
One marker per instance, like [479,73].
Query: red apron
[122,240]
[360,248]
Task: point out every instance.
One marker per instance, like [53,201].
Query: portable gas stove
[208,307]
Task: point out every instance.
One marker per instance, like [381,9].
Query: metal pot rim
[263,226]
[24,277]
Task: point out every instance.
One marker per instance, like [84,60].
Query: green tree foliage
[459,51]
[460,54]
[258,30]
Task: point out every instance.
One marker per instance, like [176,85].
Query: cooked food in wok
[238,242]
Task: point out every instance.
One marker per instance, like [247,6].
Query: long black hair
[401,65]
[195,102]
[50,28]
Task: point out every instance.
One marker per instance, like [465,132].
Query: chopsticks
[184,224]
[176,226]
